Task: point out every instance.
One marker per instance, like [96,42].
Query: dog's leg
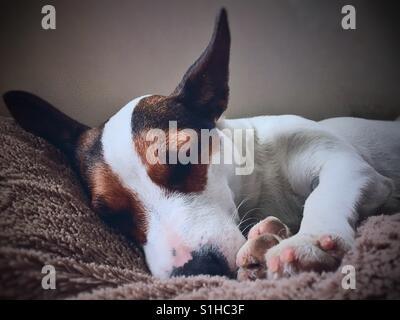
[329,216]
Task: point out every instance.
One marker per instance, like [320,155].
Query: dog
[318,178]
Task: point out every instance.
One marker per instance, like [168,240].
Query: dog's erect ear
[204,88]
[42,119]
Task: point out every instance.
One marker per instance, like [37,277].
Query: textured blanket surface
[45,220]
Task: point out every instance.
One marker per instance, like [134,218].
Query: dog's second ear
[42,119]
[204,88]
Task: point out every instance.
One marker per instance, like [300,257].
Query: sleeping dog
[319,178]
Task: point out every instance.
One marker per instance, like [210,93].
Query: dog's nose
[205,261]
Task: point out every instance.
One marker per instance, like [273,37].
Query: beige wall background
[288,56]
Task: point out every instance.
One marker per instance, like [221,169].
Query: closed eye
[178,174]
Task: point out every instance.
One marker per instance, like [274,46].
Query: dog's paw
[251,257]
[304,252]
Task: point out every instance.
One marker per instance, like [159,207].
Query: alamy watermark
[349,20]
[49,18]
[49,278]
[349,278]
[203,146]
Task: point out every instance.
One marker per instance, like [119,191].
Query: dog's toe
[326,242]
[270,225]
[253,251]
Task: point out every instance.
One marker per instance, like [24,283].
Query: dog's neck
[245,187]
[265,190]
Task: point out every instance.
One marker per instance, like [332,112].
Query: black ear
[204,87]
[42,119]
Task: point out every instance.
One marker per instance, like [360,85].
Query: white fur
[358,165]
[175,221]
[290,153]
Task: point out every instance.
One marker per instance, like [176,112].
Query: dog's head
[182,214]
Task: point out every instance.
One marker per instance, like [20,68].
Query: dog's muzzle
[207,261]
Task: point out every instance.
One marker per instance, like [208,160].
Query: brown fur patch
[179,177]
[89,150]
[89,138]
[111,198]
[155,112]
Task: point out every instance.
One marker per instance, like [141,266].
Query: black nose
[205,261]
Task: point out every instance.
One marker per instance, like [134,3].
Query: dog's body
[323,177]
[291,152]
[320,177]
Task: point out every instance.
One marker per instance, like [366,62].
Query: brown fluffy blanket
[45,219]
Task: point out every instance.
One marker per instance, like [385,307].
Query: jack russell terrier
[318,178]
